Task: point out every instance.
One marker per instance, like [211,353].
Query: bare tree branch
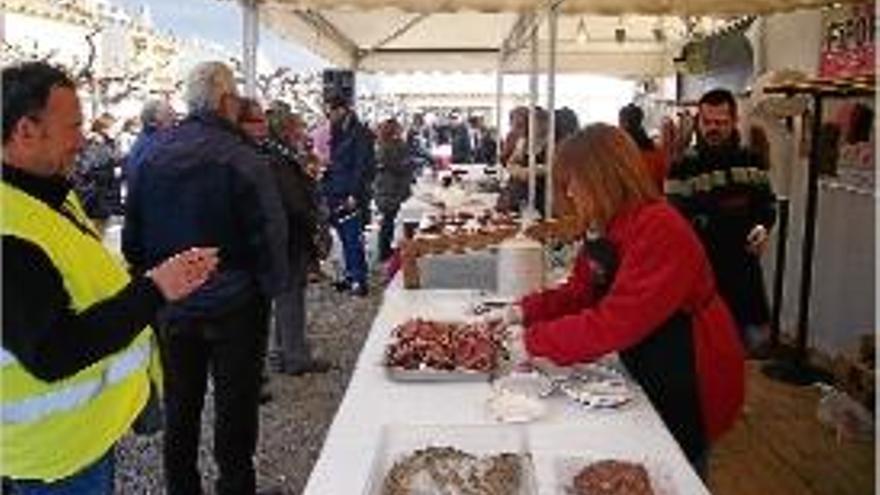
[87,73]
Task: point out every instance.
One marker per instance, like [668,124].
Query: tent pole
[251,35]
[552,18]
[499,92]
[533,102]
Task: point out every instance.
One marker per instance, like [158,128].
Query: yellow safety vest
[53,430]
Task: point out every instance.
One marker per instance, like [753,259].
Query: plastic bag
[849,419]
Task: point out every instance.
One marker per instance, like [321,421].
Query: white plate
[594,385]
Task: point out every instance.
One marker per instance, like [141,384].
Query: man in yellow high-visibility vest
[77,352]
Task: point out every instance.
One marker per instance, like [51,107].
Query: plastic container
[520,266]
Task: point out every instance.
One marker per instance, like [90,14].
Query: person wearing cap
[348,175]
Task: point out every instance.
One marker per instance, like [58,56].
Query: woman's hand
[183,273]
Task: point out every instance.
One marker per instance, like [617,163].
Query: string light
[620,31]
[581,35]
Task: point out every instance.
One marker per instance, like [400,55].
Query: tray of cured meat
[613,476]
[425,350]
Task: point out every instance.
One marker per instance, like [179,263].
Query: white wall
[843,292]
[793,41]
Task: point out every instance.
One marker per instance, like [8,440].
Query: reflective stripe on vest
[69,398]
[6,357]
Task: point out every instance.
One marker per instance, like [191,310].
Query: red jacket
[662,270]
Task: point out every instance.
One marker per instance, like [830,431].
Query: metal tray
[427,374]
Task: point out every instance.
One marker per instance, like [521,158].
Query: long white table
[372,400]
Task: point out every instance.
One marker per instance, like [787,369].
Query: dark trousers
[663,364]
[386,232]
[290,318]
[231,347]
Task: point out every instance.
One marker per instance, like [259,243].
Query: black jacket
[725,192]
[40,327]
[203,184]
[298,197]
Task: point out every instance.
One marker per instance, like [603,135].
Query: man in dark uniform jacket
[724,189]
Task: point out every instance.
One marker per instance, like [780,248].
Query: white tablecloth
[372,400]
[457,197]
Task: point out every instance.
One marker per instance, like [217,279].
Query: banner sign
[848,35]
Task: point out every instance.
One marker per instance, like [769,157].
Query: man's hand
[756,242]
[183,273]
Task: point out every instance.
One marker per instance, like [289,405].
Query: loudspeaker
[338,83]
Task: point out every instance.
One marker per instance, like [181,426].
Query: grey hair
[206,83]
[150,112]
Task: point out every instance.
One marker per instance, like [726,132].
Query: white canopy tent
[466,35]
[605,7]
[390,40]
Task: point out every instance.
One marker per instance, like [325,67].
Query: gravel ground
[293,425]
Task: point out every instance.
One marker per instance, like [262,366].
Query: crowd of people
[227,217]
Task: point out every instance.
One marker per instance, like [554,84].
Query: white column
[251,38]
[552,18]
[533,102]
[499,95]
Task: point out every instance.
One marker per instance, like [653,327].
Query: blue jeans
[349,229]
[96,479]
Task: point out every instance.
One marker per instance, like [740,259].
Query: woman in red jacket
[643,287]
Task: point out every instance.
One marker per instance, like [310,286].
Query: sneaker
[359,290]
[341,285]
[314,365]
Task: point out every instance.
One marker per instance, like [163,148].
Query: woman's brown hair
[389,131]
[607,166]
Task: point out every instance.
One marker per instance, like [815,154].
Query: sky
[220,21]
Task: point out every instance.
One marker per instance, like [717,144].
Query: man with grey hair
[201,183]
[156,116]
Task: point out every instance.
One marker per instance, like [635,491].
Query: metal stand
[796,369]
[779,274]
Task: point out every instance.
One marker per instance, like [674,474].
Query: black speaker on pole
[338,84]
